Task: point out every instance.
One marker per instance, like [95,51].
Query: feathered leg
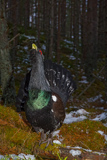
[46,139]
[43,138]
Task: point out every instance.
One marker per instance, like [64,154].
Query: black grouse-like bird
[43,95]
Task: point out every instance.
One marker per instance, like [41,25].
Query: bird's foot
[45,139]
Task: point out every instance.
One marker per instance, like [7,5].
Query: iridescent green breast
[38,99]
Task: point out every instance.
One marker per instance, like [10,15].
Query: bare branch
[90,83]
[14,37]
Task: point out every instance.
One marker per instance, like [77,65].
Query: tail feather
[60,80]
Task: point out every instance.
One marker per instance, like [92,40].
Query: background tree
[81,23]
[7,81]
[105,50]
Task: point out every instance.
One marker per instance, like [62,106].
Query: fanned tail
[60,80]
[23,93]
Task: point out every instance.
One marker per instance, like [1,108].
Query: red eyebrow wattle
[40,52]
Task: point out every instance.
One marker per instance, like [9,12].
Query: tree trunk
[51,29]
[92,39]
[7,81]
[55,26]
[106,51]
[38,25]
[63,18]
[83,32]
[76,35]
[47,27]
[101,33]
[27,14]
[59,32]
[71,21]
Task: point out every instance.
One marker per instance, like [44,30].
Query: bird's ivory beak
[34,46]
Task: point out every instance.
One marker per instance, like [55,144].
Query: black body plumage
[44,93]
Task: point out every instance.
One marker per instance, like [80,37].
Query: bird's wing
[22,93]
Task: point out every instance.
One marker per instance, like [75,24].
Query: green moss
[17,137]
[84,134]
[11,117]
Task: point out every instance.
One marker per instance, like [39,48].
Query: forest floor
[83,136]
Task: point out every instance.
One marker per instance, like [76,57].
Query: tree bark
[63,18]
[59,32]
[105,51]
[83,32]
[101,29]
[47,27]
[90,61]
[51,29]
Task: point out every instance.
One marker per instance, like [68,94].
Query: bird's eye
[40,52]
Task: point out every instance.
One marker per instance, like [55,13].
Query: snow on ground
[56,141]
[75,152]
[82,114]
[83,80]
[93,99]
[102,133]
[29,37]
[75,116]
[21,156]
[100,117]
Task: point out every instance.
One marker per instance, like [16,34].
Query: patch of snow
[70,116]
[68,147]
[88,150]
[93,99]
[56,133]
[22,156]
[84,77]
[28,69]
[102,133]
[77,147]
[28,156]
[83,81]
[82,111]
[99,153]
[18,67]
[100,117]
[70,119]
[43,47]
[29,37]
[75,152]
[1,156]
[70,42]
[26,47]
[72,57]
[57,142]
[105,124]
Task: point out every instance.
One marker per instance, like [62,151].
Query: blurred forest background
[65,28]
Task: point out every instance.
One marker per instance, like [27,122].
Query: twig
[15,133]
[25,139]
[90,83]
[14,37]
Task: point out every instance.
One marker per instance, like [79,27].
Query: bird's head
[35,53]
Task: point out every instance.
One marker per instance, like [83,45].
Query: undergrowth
[16,136]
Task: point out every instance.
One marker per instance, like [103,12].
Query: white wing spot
[52,110]
[54,98]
